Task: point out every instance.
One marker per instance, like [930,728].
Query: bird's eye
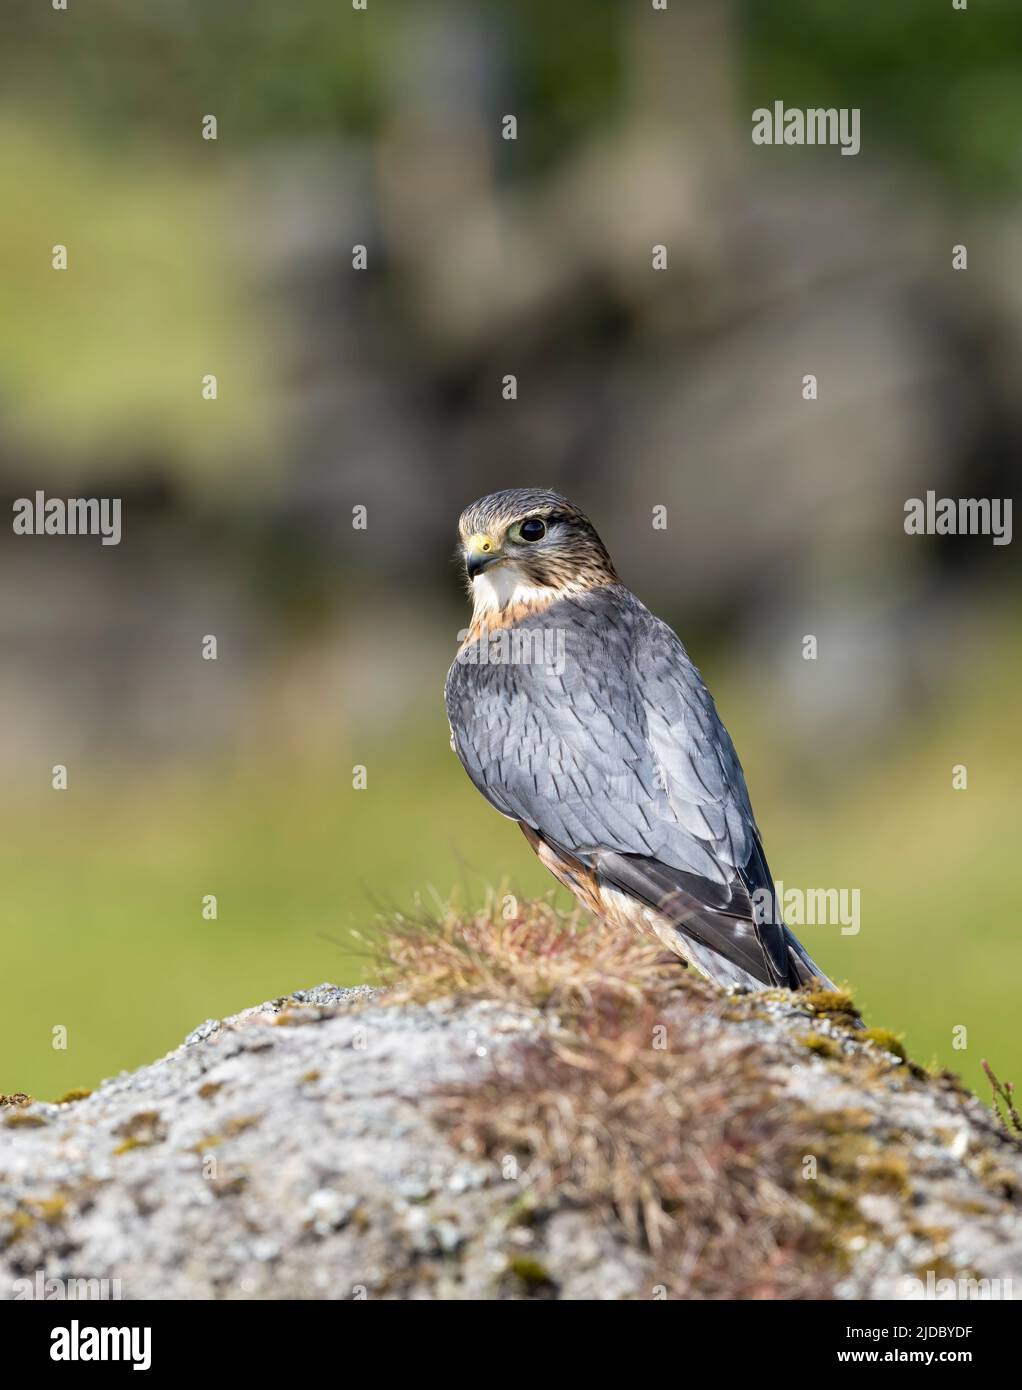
[531,529]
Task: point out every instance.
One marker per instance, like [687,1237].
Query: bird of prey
[580,715]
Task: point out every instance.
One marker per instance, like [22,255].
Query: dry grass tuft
[1004,1101]
[523,953]
[688,1158]
[639,1106]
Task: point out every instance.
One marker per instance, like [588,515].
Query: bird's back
[588,723]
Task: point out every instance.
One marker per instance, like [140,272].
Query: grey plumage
[602,741]
[621,760]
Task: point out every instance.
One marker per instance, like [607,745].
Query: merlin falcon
[580,715]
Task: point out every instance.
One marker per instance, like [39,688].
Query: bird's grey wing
[617,755]
[707,784]
[560,746]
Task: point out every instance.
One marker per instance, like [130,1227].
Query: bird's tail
[804,968]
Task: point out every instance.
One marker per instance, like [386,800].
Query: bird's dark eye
[531,529]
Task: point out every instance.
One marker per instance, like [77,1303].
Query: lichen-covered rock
[342,1144]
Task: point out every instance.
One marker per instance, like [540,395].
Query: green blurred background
[382,389]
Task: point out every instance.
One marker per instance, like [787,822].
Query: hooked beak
[481,551]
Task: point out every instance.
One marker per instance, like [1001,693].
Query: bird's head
[530,546]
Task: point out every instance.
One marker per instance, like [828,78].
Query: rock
[343,1143]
